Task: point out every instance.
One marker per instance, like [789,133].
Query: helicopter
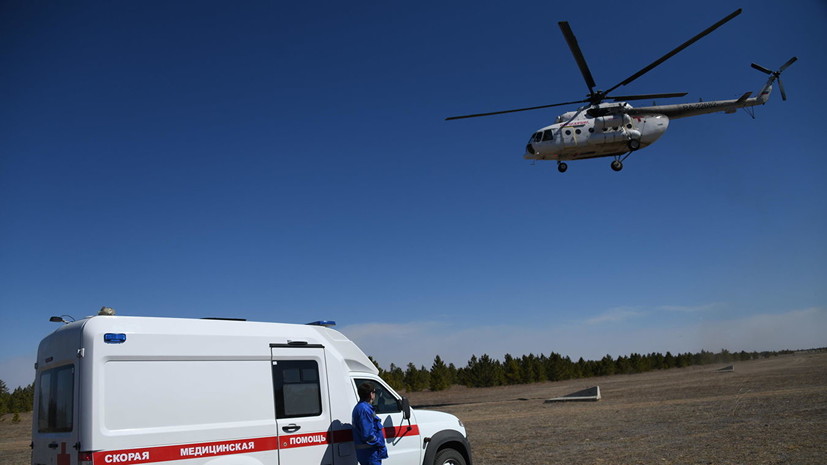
[616,128]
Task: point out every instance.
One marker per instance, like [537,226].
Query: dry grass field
[770,411]
[15,439]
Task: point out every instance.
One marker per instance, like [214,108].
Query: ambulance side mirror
[405,406]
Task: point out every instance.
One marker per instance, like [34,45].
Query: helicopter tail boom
[684,110]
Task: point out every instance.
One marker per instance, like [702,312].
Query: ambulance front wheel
[617,165]
[562,167]
[634,144]
[449,457]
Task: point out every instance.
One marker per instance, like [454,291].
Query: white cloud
[616,315]
[620,314]
[691,309]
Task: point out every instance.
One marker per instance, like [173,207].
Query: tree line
[485,371]
[18,401]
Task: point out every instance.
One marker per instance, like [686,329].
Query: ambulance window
[547,135]
[297,389]
[56,400]
[385,401]
[538,136]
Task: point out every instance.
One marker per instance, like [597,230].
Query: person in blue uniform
[368,432]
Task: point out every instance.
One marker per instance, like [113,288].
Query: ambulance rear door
[303,419]
[55,426]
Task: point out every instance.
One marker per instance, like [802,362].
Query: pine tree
[512,371]
[533,369]
[558,368]
[424,378]
[22,399]
[669,360]
[584,369]
[606,366]
[440,375]
[622,365]
[395,377]
[453,374]
[416,379]
[484,372]
[4,398]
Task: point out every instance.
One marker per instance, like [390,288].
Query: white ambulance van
[136,390]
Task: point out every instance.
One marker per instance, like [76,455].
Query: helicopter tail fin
[764,94]
[741,100]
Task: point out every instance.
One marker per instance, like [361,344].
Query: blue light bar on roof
[114,338]
[325,323]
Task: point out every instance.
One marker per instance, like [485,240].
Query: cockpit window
[538,136]
[547,135]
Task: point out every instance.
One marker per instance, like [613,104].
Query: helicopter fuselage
[601,131]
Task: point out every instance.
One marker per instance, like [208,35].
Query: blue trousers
[369,457]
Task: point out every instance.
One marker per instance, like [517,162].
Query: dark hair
[364,391]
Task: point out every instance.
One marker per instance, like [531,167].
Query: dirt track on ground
[770,411]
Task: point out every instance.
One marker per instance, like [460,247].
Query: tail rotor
[776,75]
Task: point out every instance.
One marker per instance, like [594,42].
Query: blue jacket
[368,432]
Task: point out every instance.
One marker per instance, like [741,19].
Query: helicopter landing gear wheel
[562,167]
[633,144]
[617,164]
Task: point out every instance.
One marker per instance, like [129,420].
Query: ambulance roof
[199,338]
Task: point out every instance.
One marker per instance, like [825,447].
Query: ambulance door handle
[53,445]
[291,428]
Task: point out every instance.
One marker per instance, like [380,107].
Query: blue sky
[289,162]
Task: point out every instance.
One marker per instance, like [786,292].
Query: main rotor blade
[676,50]
[647,96]
[578,55]
[513,111]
